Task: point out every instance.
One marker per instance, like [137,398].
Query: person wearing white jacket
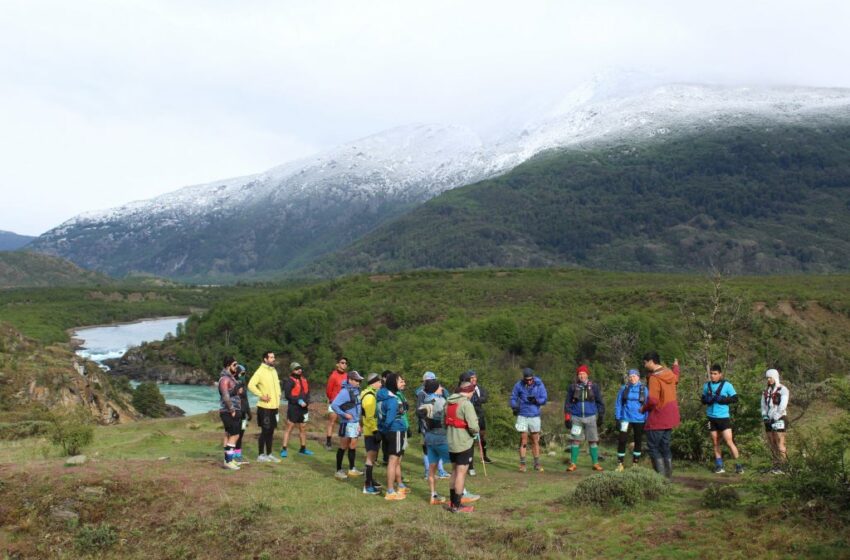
[774,412]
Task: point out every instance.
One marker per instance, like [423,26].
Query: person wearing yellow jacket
[371,435]
[265,384]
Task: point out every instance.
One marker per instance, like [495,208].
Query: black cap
[527,373]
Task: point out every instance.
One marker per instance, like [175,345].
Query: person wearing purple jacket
[528,395]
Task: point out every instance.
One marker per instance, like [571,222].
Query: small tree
[148,400]
[71,429]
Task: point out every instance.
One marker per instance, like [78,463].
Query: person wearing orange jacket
[663,411]
[335,380]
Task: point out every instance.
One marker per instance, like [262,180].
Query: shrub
[72,430]
[691,441]
[25,429]
[719,496]
[91,538]
[148,400]
[627,488]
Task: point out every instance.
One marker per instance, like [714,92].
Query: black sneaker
[739,469]
[487,460]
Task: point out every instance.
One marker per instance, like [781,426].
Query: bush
[627,488]
[691,441]
[91,538]
[719,496]
[72,430]
[148,400]
[25,429]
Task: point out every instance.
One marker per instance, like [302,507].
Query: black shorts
[232,424]
[266,418]
[373,442]
[462,458]
[394,442]
[770,425]
[719,424]
[295,414]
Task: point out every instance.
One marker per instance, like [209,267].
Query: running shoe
[522,467]
[472,472]
[469,497]
[340,475]
[597,467]
[444,475]
[371,491]
[273,459]
[719,469]
[305,452]
[403,488]
[283,454]
[571,467]
[231,465]
[394,496]
[620,467]
[437,500]
[263,459]
[739,469]
[538,467]
[461,509]
[354,472]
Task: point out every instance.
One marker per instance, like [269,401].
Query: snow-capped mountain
[291,214]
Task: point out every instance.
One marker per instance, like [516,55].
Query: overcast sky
[105,102]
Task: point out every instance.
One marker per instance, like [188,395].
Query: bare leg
[730,443]
[718,453]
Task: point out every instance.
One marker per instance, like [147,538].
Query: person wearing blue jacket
[346,405]
[630,399]
[528,395]
[393,430]
[583,410]
[717,395]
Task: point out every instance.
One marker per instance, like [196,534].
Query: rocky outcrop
[136,366]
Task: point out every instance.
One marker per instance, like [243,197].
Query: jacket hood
[457,397]
[666,375]
[772,373]
[383,394]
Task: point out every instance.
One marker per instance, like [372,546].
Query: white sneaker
[273,459]
[231,465]
[341,475]
[354,472]
[263,459]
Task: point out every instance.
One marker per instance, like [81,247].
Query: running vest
[717,391]
[452,419]
[641,394]
[775,395]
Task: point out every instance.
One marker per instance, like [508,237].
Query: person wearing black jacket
[242,391]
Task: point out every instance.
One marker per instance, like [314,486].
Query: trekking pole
[481,456]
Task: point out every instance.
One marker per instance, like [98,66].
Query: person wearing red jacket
[663,411]
[332,388]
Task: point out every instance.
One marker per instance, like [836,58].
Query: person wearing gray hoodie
[774,413]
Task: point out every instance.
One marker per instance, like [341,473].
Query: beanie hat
[583,368]
[634,372]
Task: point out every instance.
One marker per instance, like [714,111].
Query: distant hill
[747,199]
[25,269]
[10,241]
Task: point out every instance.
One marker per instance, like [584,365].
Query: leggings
[266,441]
[622,438]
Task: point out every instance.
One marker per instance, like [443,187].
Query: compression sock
[454,498]
[594,453]
[636,456]
[340,453]
[369,480]
[574,451]
[351,455]
[228,453]
[718,461]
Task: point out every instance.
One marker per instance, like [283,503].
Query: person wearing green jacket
[265,384]
[461,430]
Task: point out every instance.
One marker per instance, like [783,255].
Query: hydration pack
[717,391]
[452,419]
[641,394]
[775,396]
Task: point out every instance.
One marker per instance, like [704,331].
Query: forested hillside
[742,200]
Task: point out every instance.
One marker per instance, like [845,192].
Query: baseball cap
[294,365]
[429,375]
[355,375]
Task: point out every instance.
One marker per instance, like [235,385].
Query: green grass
[188,507]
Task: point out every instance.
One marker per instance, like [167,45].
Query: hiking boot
[668,468]
[538,468]
[371,491]
[273,459]
[437,500]
[620,467]
[719,469]
[739,469]
[341,475]
[306,452]
[571,467]
[354,472]
[522,467]
[231,465]
[263,459]
[403,489]
[283,454]
[597,467]
[394,496]
[468,497]
[472,472]
[443,475]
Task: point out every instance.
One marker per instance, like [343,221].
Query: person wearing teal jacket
[717,395]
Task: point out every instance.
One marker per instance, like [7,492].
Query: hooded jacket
[769,407]
[431,411]
[389,412]
[630,412]
[266,382]
[347,401]
[369,410]
[661,404]
[228,387]
[523,394]
[460,439]
[584,399]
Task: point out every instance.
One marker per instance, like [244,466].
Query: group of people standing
[453,424]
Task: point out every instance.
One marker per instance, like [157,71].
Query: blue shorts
[438,453]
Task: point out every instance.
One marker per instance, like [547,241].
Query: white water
[112,341]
